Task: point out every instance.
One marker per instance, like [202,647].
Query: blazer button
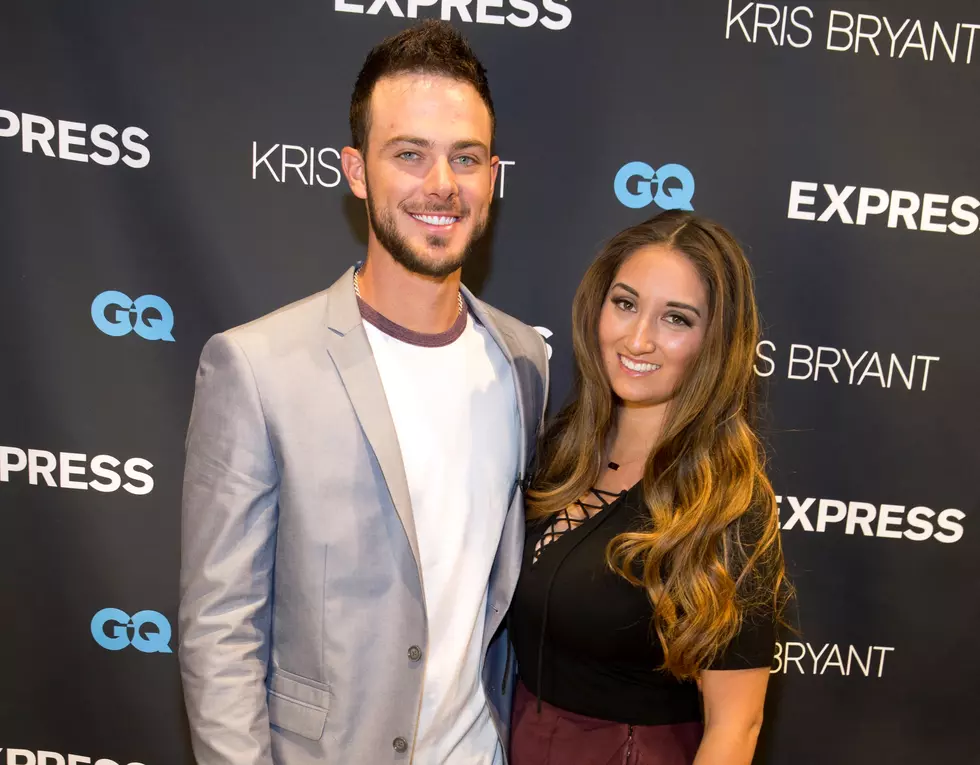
[415,653]
[400,745]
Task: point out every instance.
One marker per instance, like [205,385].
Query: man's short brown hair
[430,47]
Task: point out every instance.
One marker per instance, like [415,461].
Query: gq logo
[150,631]
[641,177]
[131,316]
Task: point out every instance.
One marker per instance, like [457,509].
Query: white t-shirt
[454,409]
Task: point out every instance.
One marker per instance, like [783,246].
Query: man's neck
[419,303]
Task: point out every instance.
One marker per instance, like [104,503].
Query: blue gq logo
[673,199]
[151,630]
[130,316]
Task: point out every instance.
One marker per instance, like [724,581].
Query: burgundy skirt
[557,737]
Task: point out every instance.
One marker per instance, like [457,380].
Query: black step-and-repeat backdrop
[171,169]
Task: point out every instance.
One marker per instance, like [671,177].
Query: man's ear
[352,161]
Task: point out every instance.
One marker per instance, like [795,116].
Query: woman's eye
[624,304]
[678,320]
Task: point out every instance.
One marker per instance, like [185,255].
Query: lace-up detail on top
[562,522]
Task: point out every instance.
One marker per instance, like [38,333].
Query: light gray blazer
[303,631]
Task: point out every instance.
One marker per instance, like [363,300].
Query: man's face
[429,174]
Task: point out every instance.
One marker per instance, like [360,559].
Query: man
[352,513]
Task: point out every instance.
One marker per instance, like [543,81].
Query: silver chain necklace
[459,294]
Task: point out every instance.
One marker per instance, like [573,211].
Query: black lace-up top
[583,635]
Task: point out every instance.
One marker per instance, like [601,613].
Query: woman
[644,618]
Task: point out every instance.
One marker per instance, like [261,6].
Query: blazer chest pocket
[298,705]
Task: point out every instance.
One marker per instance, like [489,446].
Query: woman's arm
[733,701]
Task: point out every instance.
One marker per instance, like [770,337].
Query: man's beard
[384,227]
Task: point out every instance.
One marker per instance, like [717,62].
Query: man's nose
[441,180]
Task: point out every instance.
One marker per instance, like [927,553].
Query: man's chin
[440,265]
[436,262]
[427,253]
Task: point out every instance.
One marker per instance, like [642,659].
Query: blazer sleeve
[543,368]
[228,540]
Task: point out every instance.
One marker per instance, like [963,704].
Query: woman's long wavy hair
[711,555]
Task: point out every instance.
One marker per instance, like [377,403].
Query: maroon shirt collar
[410,336]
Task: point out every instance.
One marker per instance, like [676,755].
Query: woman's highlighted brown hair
[711,556]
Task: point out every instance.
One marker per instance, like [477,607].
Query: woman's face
[652,324]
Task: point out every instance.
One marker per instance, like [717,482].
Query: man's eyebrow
[470,143]
[425,143]
[422,143]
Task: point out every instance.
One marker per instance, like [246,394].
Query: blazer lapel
[348,345]
[507,564]
[507,342]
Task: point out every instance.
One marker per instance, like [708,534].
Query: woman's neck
[637,431]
